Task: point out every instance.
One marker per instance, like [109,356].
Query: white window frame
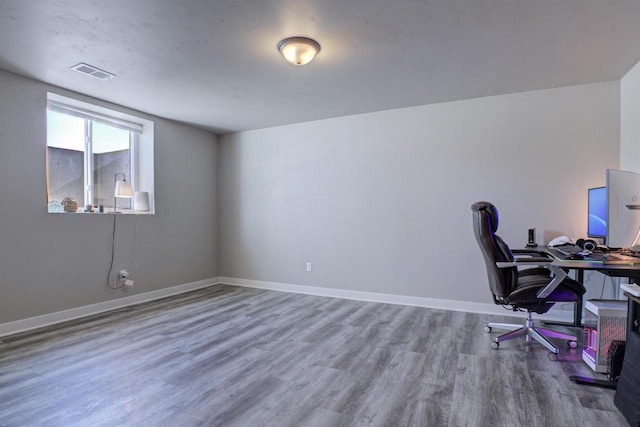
[141,144]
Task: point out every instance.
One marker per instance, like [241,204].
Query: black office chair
[534,290]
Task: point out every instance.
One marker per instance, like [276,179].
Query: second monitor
[623,208]
[597,213]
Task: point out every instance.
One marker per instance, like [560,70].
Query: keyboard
[568,249]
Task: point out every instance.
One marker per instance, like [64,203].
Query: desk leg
[577,314]
[594,382]
[615,285]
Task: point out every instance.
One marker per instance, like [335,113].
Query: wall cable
[113,254]
[135,245]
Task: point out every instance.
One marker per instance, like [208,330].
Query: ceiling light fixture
[299,50]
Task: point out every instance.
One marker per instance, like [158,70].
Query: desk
[631,271]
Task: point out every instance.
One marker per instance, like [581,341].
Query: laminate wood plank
[232,356]
[320,417]
[479,393]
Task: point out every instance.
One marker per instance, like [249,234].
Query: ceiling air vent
[92,71]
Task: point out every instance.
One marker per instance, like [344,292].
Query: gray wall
[372,200]
[381,202]
[52,262]
[629,123]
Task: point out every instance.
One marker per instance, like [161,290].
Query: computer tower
[605,321]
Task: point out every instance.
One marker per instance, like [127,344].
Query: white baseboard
[464,306]
[36,322]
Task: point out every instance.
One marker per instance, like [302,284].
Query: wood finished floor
[231,356]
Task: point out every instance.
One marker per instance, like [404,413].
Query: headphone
[587,244]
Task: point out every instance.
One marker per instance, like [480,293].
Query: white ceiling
[214,64]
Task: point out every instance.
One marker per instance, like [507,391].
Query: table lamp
[123,190]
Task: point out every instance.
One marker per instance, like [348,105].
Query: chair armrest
[531,252]
[559,274]
[543,262]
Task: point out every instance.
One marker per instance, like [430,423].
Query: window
[88,148]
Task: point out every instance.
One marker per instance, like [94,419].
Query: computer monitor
[597,212]
[623,208]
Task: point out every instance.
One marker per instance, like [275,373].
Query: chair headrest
[491,210]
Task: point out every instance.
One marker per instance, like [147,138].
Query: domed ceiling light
[299,50]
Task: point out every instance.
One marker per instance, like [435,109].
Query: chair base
[530,333]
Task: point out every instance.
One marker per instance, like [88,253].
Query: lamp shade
[299,50]
[123,190]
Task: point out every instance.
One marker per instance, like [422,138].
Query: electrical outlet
[309,266]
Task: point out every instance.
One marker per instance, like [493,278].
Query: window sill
[106,212]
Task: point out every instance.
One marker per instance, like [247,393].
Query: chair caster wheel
[495,345]
[572,344]
[487,329]
[553,356]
